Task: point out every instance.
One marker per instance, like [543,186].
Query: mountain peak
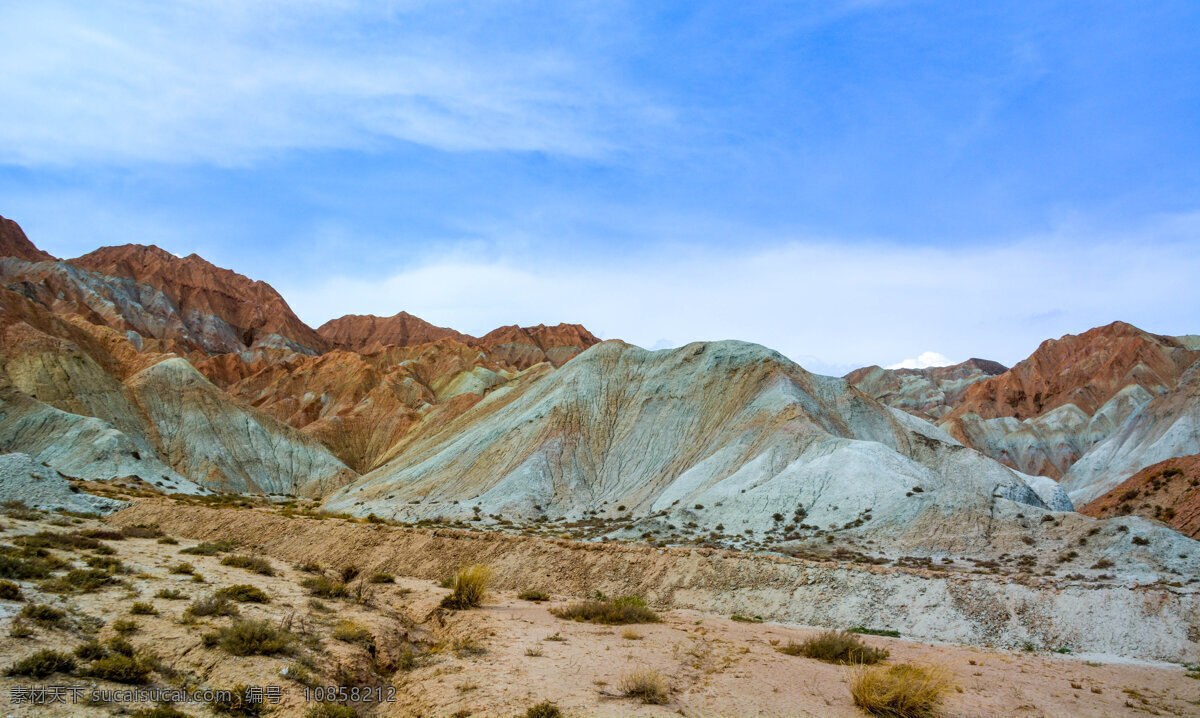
[14,243]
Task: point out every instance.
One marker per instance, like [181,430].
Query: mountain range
[131,363]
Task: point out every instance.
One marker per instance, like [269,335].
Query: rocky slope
[928,393]
[14,243]
[40,487]
[83,399]
[720,435]
[234,312]
[1049,410]
[368,333]
[1168,491]
[1165,427]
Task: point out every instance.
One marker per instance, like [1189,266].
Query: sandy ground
[500,659]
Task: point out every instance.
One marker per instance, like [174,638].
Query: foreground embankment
[1156,622]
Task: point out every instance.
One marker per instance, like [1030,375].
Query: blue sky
[850,183]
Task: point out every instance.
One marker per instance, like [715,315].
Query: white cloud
[830,307]
[227,83]
[925,360]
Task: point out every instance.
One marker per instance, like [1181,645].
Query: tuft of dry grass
[469,587]
[630,634]
[835,647]
[616,611]
[250,563]
[903,690]
[646,684]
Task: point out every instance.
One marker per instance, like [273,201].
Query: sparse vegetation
[874,631]
[44,616]
[251,638]
[244,593]
[545,709]
[350,632]
[238,701]
[141,608]
[383,577]
[120,668]
[41,664]
[469,588]
[124,625]
[209,548]
[171,594]
[532,595]
[250,563]
[646,684]
[323,587]
[900,691]
[616,611]
[10,591]
[214,605]
[835,647]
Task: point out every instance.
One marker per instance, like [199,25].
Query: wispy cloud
[831,307]
[228,83]
[924,361]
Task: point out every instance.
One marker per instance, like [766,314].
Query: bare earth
[500,659]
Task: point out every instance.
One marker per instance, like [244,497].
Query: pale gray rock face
[40,487]
[82,447]
[733,427]
[225,446]
[1166,427]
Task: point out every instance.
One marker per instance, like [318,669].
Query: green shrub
[120,668]
[209,548]
[121,645]
[124,625]
[142,608]
[835,647]
[616,611]
[469,588]
[142,531]
[79,580]
[184,568]
[171,594]
[874,631]
[323,587]
[532,595]
[105,563]
[253,638]
[10,591]
[350,632]
[244,593]
[212,606]
[250,563]
[238,701]
[43,615]
[23,568]
[545,709]
[104,535]
[90,651]
[41,664]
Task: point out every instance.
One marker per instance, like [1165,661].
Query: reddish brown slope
[253,308]
[1168,491]
[522,347]
[1086,370]
[367,332]
[14,243]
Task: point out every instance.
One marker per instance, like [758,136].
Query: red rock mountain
[252,309]
[367,332]
[522,347]
[1085,370]
[14,243]
[1168,491]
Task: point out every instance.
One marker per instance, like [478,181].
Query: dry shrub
[616,611]
[646,684]
[900,691]
[244,593]
[545,709]
[250,563]
[533,595]
[836,647]
[42,664]
[251,638]
[469,587]
[323,587]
